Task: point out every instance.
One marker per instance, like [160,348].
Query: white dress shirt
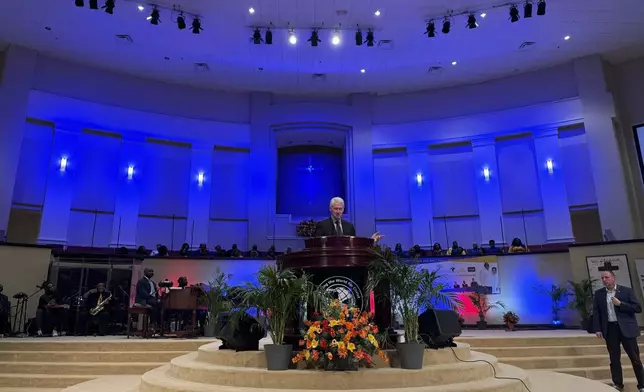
[612,316]
[152,287]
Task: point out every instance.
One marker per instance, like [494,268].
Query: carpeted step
[89,356]
[572,361]
[82,343]
[20,380]
[11,389]
[593,373]
[546,351]
[630,384]
[77,368]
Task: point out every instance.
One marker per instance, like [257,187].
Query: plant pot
[341,364]
[209,329]
[481,324]
[411,355]
[510,326]
[278,356]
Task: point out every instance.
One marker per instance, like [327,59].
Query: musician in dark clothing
[5,314]
[147,295]
[98,301]
[52,311]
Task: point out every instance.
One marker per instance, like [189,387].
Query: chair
[140,311]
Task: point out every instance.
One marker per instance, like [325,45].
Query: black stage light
[514,14]
[257,37]
[527,9]
[93,4]
[471,22]
[358,38]
[79,3]
[109,6]
[370,38]
[181,22]
[541,7]
[196,26]
[315,38]
[431,30]
[154,17]
[268,37]
[447,25]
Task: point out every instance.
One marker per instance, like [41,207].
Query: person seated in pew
[98,301]
[51,311]
[517,247]
[455,250]
[475,251]
[492,249]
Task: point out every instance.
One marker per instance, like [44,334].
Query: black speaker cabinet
[439,327]
[242,335]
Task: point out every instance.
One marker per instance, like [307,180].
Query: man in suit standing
[146,294]
[614,310]
[335,225]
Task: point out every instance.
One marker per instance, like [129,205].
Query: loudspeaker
[243,334]
[438,327]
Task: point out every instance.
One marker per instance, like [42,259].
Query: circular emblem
[343,289]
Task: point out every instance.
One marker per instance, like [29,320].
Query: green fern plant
[581,294]
[558,297]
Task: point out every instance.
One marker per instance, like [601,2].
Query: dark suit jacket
[143,291]
[325,228]
[625,312]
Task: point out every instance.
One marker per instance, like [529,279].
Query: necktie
[338,227]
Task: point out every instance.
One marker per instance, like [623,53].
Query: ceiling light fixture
[370,38]
[447,25]
[377,13]
[471,22]
[527,9]
[541,7]
[567,37]
[292,38]
[268,37]
[315,38]
[335,39]
[181,21]
[141,8]
[196,26]
[363,70]
[109,6]
[454,63]
[93,4]
[514,13]
[430,31]
[358,37]
[251,10]
[483,15]
[154,17]
[257,37]
[79,3]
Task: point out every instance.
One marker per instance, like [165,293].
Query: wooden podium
[340,266]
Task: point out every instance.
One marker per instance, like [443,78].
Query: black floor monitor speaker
[438,327]
[242,335]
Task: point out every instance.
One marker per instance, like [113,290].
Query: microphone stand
[20,319]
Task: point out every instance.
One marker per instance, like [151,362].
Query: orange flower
[329,355]
[349,325]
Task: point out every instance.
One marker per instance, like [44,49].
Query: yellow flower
[351,347]
[314,343]
[335,323]
[340,345]
[372,339]
[307,355]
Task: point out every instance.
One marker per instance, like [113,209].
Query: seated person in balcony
[99,300]
[493,249]
[455,250]
[147,295]
[335,225]
[5,313]
[51,310]
[475,251]
[517,247]
[437,250]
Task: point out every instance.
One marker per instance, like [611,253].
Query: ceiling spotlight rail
[314,39]
[288,27]
[161,6]
[448,19]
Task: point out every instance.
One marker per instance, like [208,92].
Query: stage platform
[89,364]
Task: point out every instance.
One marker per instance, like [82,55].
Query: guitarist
[52,310]
[99,297]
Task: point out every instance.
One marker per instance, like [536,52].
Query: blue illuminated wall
[307,178]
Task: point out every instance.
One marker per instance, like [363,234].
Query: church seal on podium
[345,290]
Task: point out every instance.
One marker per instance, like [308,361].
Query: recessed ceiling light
[141,8]
[483,15]
[377,13]
[454,63]
[148,18]
[251,10]
[363,70]
[567,37]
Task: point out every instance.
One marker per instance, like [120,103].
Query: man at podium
[335,225]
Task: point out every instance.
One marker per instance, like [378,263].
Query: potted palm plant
[582,300]
[558,297]
[279,295]
[215,298]
[510,319]
[412,290]
[481,303]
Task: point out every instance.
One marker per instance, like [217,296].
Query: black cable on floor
[493,369]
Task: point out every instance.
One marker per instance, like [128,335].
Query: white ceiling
[613,28]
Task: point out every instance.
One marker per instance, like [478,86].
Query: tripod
[20,319]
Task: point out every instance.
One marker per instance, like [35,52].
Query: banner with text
[468,274]
[616,263]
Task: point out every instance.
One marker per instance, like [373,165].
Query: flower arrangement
[511,318]
[343,338]
[306,228]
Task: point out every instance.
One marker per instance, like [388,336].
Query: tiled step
[19,380]
[546,351]
[76,368]
[89,356]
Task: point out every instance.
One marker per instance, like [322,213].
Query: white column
[420,195]
[61,182]
[488,190]
[598,111]
[126,206]
[15,84]
[199,197]
[553,187]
